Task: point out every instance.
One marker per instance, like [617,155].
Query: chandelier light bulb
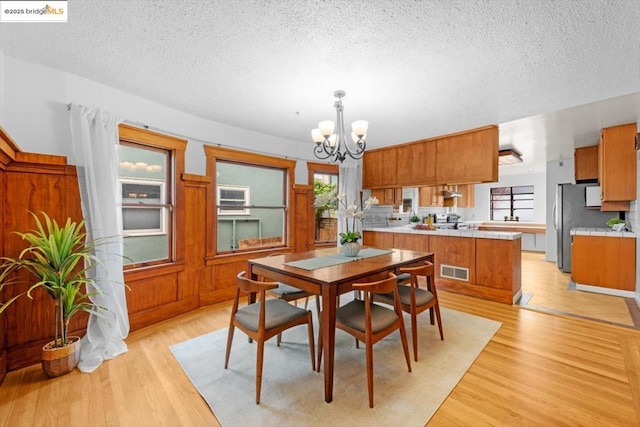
[360,127]
[326,127]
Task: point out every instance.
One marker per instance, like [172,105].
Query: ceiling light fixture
[509,157]
[329,144]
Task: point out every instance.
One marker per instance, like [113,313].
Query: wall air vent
[453,272]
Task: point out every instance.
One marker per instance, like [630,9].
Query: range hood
[451,194]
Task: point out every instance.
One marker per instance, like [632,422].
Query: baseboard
[607,291]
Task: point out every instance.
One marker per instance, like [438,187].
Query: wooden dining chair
[369,322]
[290,293]
[263,320]
[414,300]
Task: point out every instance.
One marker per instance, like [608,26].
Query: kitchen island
[604,261]
[484,264]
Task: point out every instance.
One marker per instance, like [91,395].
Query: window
[326,212]
[143,210]
[512,203]
[232,199]
[148,164]
[249,201]
[324,178]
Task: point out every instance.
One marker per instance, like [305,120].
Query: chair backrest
[422,270]
[247,285]
[384,286]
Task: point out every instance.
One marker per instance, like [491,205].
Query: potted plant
[59,258]
[414,218]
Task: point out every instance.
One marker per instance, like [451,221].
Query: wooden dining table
[331,281]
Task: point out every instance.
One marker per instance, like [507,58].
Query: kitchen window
[512,203]
[233,200]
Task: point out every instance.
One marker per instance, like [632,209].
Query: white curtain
[350,183]
[94,135]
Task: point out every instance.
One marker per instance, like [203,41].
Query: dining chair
[369,322]
[292,294]
[414,300]
[263,320]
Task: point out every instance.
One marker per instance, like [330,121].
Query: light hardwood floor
[539,369]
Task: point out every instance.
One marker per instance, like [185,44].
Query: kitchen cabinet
[413,242]
[468,196]
[416,163]
[586,163]
[433,196]
[460,158]
[388,196]
[617,163]
[377,239]
[379,168]
[603,261]
[468,157]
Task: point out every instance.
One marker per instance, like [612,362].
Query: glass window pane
[326,227]
[262,189]
[146,210]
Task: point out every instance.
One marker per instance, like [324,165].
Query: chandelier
[330,145]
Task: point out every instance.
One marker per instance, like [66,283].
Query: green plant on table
[614,220]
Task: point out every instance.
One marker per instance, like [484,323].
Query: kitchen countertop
[522,227]
[478,234]
[601,232]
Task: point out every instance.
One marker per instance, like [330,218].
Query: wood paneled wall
[35,182]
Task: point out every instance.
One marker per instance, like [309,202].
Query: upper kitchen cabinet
[467,200]
[617,164]
[379,168]
[416,163]
[586,163]
[468,157]
[388,196]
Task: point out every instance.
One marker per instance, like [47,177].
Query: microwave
[592,196]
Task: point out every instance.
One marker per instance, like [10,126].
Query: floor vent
[453,272]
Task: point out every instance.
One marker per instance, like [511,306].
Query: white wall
[480,211]
[33,110]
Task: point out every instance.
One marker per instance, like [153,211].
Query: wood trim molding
[144,136]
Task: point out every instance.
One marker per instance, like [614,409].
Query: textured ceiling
[414,69]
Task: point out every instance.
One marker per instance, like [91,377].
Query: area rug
[293,395]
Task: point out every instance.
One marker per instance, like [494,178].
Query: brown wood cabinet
[468,157]
[414,242]
[416,163]
[468,196]
[586,163]
[388,196]
[608,262]
[433,196]
[379,168]
[378,239]
[617,163]
[460,158]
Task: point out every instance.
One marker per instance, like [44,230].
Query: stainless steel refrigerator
[570,212]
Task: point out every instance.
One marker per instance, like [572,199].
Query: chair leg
[312,349]
[279,339]
[259,359]
[405,345]
[318,366]
[369,357]
[414,335]
[229,341]
[437,307]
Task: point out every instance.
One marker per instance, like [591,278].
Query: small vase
[350,249]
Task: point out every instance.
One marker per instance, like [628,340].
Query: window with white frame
[233,200]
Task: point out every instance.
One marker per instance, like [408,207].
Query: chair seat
[403,278]
[423,297]
[352,315]
[287,290]
[279,312]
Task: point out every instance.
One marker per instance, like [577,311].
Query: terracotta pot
[58,361]
[351,249]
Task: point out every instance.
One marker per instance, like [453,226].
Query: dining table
[328,273]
